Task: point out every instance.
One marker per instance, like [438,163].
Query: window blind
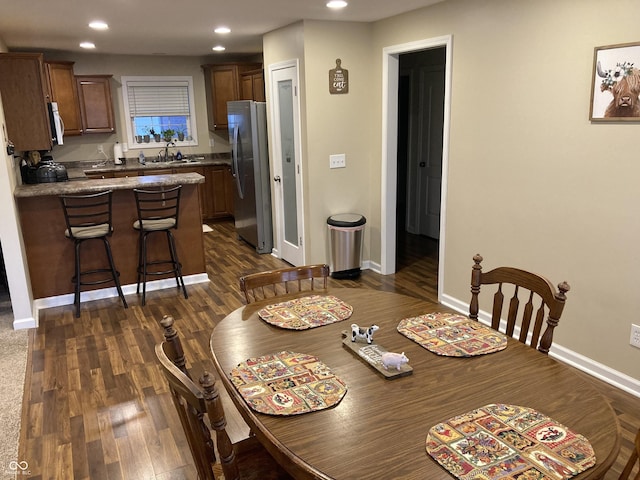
[148,100]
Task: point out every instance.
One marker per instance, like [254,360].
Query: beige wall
[532,182]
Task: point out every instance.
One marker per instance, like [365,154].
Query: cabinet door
[24,96]
[222,87]
[222,191]
[94,94]
[62,85]
[222,84]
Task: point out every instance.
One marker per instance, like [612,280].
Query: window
[162,106]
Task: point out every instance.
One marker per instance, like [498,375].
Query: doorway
[393,134]
[419,158]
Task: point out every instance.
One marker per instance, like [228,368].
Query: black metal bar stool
[88,217]
[158,213]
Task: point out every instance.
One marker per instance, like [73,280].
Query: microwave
[57,125]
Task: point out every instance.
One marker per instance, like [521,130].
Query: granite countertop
[99,185]
[80,183]
[77,170]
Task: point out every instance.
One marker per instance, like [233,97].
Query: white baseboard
[67,299]
[602,372]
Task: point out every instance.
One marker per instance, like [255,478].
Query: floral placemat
[500,441]
[306,312]
[287,383]
[452,335]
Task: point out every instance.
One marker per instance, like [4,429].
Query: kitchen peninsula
[50,254]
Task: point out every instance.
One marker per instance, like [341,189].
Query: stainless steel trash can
[346,231]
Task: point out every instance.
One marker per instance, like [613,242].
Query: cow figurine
[364,333]
[390,359]
[624,84]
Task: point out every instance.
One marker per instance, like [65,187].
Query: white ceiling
[171,27]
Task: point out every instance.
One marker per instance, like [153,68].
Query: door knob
[276,178]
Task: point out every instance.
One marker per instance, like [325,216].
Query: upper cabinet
[252,85]
[223,84]
[25,95]
[96,107]
[62,85]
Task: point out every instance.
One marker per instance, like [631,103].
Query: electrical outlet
[100,148]
[635,336]
[337,161]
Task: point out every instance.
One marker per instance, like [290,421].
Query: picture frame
[615,86]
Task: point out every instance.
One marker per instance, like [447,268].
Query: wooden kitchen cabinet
[96,107]
[252,85]
[222,191]
[25,95]
[62,86]
[222,84]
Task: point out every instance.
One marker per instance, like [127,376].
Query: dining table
[378,429]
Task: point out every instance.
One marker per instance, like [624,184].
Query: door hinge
[300,242]
[295,91]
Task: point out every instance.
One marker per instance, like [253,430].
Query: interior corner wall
[330,124]
[532,182]
[11,239]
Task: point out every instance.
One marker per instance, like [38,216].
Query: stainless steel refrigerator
[250,168]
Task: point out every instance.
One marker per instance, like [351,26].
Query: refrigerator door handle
[234,161]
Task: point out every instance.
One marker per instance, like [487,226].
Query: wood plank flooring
[96,406]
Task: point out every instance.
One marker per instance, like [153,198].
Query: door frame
[275,153]
[390,80]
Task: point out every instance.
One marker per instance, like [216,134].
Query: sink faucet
[166,150]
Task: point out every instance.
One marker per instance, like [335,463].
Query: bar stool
[157,213]
[88,217]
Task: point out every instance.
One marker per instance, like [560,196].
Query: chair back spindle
[542,303]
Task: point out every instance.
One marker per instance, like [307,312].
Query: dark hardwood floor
[96,406]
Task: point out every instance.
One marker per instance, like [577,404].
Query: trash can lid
[346,220]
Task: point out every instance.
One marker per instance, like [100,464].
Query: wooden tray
[371,354]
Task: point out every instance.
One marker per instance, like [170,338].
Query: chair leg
[114,273]
[144,268]
[176,264]
[140,240]
[76,296]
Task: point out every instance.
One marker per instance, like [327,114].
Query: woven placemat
[306,312]
[452,335]
[287,383]
[500,441]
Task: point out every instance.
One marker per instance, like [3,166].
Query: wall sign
[338,79]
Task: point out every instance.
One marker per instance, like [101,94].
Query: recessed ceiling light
[87,45]
[218,48]
[99,25]
[337,4]
[222,30]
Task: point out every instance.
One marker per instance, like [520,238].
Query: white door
[287,180]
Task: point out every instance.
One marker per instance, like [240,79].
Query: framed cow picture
[615,88]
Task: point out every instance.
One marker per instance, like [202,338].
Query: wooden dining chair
[200,409]
[542,302]
[258,286]
[634,460]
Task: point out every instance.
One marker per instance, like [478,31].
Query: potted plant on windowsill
[156,136]
[181,135]
[168,134]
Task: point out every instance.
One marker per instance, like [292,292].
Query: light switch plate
[337,161]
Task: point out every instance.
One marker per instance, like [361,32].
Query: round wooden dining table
[379,429]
